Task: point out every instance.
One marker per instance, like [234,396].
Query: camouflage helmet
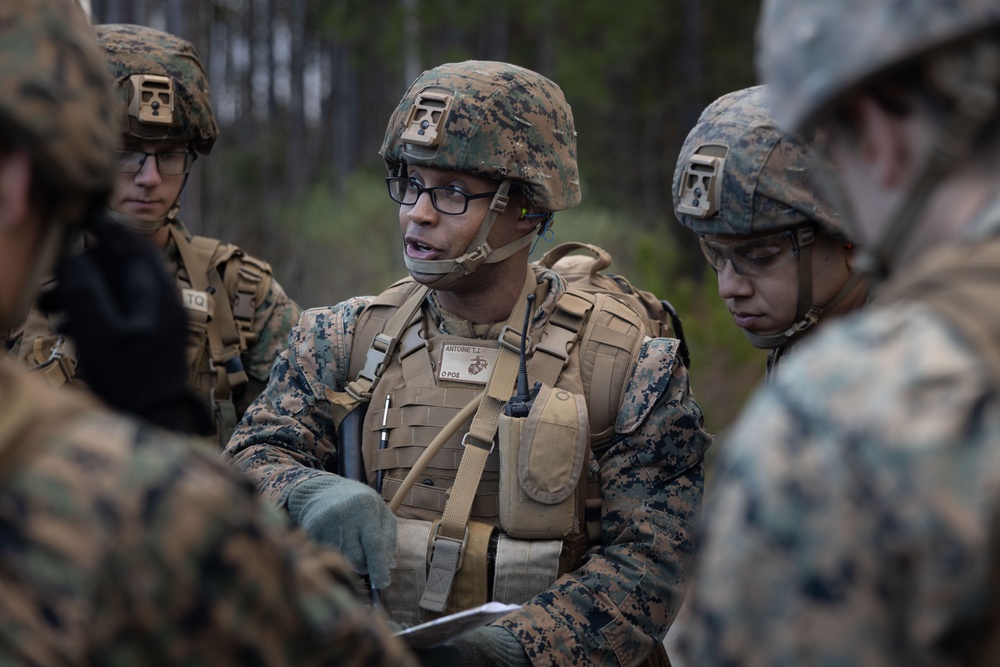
[739,174]
[161,85]
[54,96]
[812,52]
[493,119]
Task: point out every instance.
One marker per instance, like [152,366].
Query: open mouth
[420,250]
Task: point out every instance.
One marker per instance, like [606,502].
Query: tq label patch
[467,363]
[195,300]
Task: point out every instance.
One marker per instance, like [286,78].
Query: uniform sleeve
[208,573]
[617,607]
[287,435]
[273,320]
[846,523]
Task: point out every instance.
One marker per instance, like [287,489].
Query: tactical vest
[219,330]
[586,353]
[588,274]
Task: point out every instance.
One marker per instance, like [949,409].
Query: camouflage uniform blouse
[619,604]
[850,523]
[121,545]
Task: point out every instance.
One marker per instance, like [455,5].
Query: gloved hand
[351,517]
[491,646]
[124,315]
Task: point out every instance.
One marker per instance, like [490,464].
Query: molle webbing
[588,346]
[452,537]
[220,336]
[961,282]
[607,343]
[247,281]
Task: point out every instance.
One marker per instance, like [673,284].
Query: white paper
[442,629]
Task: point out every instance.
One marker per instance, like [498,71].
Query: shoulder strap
[247,280]
[586,274]
[608,335]
[450,537]
[223,336]
[379,337]
[196,255]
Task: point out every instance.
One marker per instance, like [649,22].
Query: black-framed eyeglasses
[168,163]
[444,198]
[752,257]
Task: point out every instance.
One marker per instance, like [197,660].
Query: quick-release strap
[479,251]
[383,346]
[450,538]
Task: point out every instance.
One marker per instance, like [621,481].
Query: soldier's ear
[15,189]
[885,144]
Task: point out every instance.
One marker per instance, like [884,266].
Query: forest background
[302,90]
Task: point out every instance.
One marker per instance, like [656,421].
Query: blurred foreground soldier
[780,252]
[854,520]
[120,545]
[573,488]
[238,315]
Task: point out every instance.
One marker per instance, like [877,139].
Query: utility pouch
[541,461]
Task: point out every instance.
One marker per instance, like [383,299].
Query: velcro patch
[467,363]
[194,300]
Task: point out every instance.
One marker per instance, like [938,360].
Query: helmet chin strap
[479,251]
[807,314]
[145,227]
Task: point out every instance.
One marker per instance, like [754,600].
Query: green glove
[491,646]
[351,517]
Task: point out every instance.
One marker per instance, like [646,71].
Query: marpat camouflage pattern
[811,52]
[852,519]
[134,49]
[505,122]
[767,180]
[124,545]
[616,608]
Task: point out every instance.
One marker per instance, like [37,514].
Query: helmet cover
[739,174]
[162,88]
[492,119]
[812,52]
[54,95]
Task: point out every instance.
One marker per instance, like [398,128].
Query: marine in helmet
[854,516]
[120,543]
[238,315]
[467,479]
[781,254]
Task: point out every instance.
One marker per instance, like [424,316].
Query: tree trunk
[296,110]
[411,41]
[245,119]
